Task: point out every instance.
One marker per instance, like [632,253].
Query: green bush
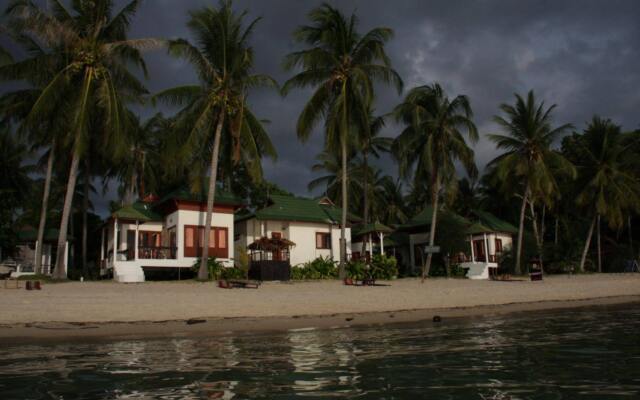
[320,268]
[356,269]
[214,266]
[232,273]
[384,267]
[457,271]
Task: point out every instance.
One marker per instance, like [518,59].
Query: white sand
[160,301]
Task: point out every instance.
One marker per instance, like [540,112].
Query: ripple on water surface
[568,354]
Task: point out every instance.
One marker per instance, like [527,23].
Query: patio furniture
[242,284]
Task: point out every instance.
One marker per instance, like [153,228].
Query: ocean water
[587,353]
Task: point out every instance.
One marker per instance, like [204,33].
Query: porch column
[370,247]
[66,256]
[473,256]
[135,243]
[102,244]
[486,248]
[115,239]
[382,243]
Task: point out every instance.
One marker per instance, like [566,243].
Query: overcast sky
[582,55]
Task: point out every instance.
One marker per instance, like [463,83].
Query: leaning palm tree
[47,133]
[94,80]
[609,188]
[341,65]
[433,140]
[528,160]
[223,59]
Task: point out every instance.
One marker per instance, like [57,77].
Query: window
[217,241]
[323,240]
[498,245]
[149,239]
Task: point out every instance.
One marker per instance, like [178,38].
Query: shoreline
[57,332]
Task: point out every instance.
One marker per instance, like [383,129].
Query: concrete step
[128,273]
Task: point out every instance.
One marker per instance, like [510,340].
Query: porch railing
[157,252]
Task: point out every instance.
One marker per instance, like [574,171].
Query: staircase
[124,272]
[477,270]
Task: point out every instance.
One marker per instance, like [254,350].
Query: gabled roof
[291,208]
[423,218]
[361,229]
[493,223]
[137,211]
[484,222]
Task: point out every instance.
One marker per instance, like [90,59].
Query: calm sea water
[591,354]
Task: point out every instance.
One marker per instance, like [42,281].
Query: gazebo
[270,259]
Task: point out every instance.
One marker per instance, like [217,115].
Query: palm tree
[47,133]
[609,188]
[393,209]
[433,141]
[223,59]
[528,160]
[341,65]
[94,80]
[329,163]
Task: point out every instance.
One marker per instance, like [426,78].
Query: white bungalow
[165,234]
[312,224]
[488,238]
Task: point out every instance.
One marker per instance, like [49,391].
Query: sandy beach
[107,309]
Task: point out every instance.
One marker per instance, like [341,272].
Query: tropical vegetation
[71,129]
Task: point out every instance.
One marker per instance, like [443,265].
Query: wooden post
[486,248]
[135,242]
[473,256]
[382,243]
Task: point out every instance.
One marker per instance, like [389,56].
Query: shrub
[214,266]
[232,273]
[384,267]
[320,268]
[242,262]
[356,269]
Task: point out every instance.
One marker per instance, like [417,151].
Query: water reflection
[586,353]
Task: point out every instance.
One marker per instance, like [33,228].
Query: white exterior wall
[303,234]
[176,220]
[187,217]
[507,241]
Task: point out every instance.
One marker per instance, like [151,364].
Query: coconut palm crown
[341,66]
[223,60]
[528,159]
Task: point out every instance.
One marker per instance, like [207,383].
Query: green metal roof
[359,230]
[423,218]
[291,208]
[397,239]
[137,211]
[493,223]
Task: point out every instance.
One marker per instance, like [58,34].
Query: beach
[108,309]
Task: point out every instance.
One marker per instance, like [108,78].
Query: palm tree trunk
[432,233]
[343,222]
[85,208]
[366,195]
[518,270]
[43,211]
[599,248]
[203,273]
[630,236]
[536,233]
[587,244]
[60,270]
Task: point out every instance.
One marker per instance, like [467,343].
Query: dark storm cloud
[582,55]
